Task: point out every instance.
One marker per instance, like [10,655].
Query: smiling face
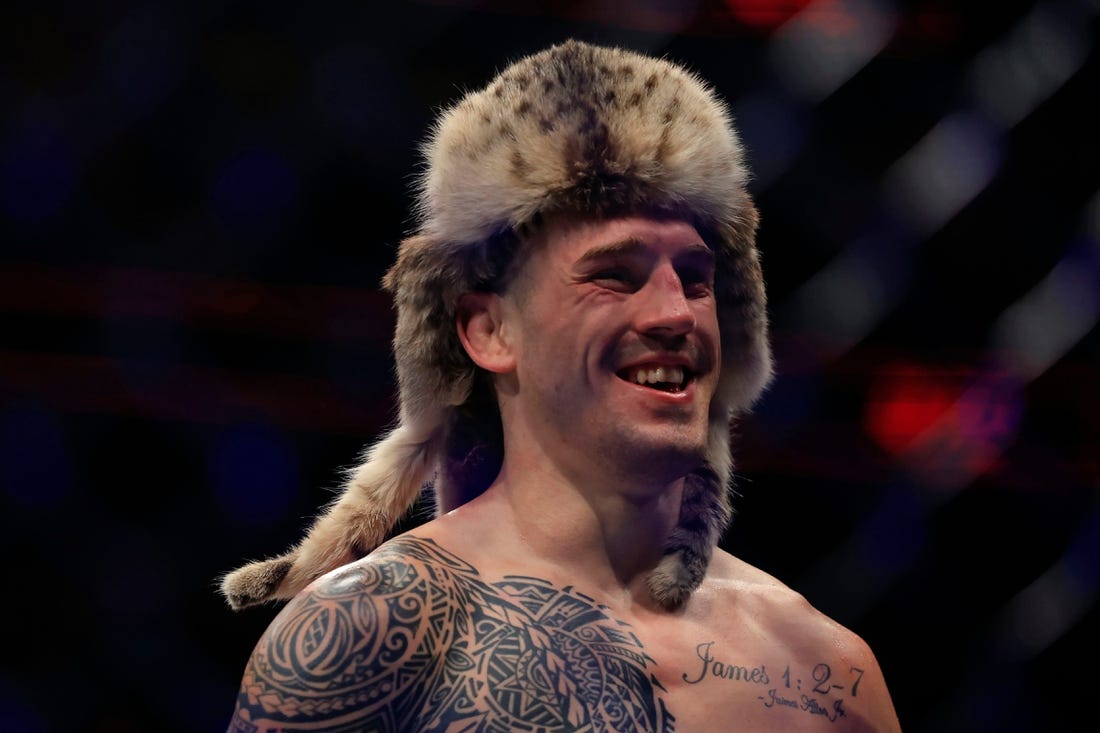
[613,328]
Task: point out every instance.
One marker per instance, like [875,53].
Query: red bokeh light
[765,13]
[947,425]
[906,401]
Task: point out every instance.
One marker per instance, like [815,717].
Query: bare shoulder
[415,638]
[814,664]
[350,651]
[783,613]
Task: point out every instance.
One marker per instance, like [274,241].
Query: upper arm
[341,656]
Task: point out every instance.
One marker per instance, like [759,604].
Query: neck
[609,531]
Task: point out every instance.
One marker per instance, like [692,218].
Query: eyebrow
[634,245]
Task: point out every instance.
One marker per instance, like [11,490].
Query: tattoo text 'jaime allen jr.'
[821,676]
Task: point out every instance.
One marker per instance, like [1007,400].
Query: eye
[697,282]
[616,278]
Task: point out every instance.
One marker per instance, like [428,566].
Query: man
[581,315]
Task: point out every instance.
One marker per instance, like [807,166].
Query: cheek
[711,334]
[560,355]
[545,347]
[706,316]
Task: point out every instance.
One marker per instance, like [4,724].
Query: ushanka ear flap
[381,490]
[433,375]
[705,512]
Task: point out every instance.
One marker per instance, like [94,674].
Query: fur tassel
[705,511]
[380,491]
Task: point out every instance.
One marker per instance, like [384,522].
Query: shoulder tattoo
[416,640]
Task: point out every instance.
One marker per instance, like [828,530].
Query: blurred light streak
[967,438]
[944,171]
[827,42]
[818,47]
[1046,609]
[1026,626]
[843,301]
[888,540]
[947,169]
[1010,79]
[1039,328]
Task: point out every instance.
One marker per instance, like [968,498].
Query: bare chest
[718,684]
[558,662]
[459,650]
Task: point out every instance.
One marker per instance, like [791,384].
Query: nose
[663,307]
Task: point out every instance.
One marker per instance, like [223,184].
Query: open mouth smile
[663,378]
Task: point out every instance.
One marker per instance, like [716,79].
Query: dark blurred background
[197,202]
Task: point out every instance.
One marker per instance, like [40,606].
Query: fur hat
[580,128]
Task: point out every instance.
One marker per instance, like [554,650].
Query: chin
[666,456]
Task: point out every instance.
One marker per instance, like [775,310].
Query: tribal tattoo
[416,640]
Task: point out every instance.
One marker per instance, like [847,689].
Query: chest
[582,670]
[745,682]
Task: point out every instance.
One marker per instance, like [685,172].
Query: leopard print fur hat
[576,127]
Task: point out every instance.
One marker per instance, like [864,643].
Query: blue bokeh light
[37,173]
[36,467]
[894,534]
[16,715]
[255,192]
[254,473]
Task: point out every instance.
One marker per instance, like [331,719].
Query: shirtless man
[581,316]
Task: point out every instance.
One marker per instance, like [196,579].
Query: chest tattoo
[416,640]
[819,690]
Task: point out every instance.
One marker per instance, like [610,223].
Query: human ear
[479,319]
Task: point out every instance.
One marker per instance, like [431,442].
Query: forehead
[565,239]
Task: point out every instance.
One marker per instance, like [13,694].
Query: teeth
[658,375]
